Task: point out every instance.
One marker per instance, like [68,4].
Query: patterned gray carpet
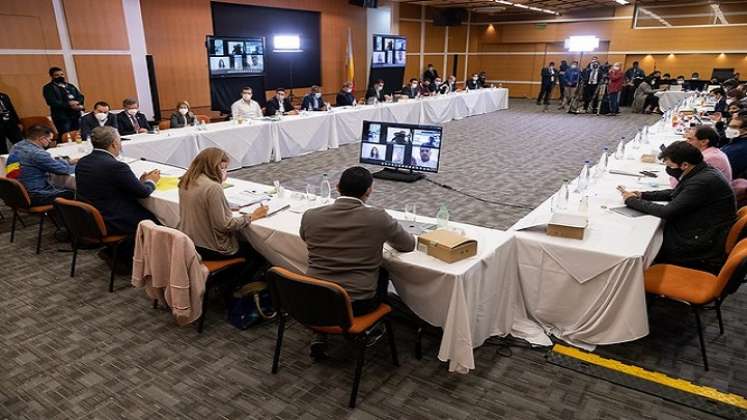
[69,349]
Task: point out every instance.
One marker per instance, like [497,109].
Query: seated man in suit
[131,120]
[31,165]
[246,107]
[345,95]
[99,117]
[345,242]
[111,187]
[473,83]
[698,214]
[412,90]
[279,104]
[450,85]
[375,94]
[313,101]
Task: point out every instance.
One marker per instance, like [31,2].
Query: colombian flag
[349,63]
[13,167]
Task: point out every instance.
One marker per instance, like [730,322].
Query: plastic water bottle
[583,205]
[602,165]
[563,195]
[583,178]
[325,189]
[442,217]
[619,152]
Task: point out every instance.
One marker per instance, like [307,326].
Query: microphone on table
[161,163]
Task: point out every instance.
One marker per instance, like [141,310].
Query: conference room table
[590,292]
[669,99]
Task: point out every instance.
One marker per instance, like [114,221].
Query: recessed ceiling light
[623,2]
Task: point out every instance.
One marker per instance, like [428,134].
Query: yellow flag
[349,64]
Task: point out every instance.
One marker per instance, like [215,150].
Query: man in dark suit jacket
[279,104]
[65,101]
[700,210]
[411,90]
[131,120]
[9,124]
[375,93]
[313,101]
[345,95]
[99,117]
[549,79]
[473,83]
[110,186]
[430,73]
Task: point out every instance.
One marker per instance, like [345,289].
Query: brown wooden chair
[736,233]
[87,228]
[27,122]
[325,307]
[70,136]
[164,125]
[699,289]
[15,196]
[742,212]
[203,118]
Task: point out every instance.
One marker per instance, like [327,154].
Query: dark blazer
[88,122]
[473,84]
[273,105]
[446,87]
[308,103]
[430,75]
[111,187]
[700,211]
[345,242]
[373,93]
[57,98]
[344,99]
[549,78]
[125,124]
[720,105]
[178,120]
[8,123]
[410,92]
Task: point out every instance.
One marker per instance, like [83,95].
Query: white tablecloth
[173,147]
[248,144]
[669,99]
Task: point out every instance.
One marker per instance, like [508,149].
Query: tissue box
[567,225]
[447,246]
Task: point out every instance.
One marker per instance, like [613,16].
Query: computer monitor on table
[412,147]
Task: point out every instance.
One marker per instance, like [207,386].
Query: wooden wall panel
[409,11]
[459,74]
[22,77]
[434,38]
[106,78]
[412,67]
[182,72]
[28,24]
[458,38]
[411,30]
[97,24]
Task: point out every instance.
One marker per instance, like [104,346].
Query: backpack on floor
[250,305]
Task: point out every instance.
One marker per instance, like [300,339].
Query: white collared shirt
[244,109]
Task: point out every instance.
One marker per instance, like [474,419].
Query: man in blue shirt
[736,150]
[32,165]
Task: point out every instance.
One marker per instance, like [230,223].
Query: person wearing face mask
[592,76]
[425,88]
[473,83]
[411,90]
[345,95]
[375,94]
[30,164]
[183,117]
[109,185]
[614,87]
[313,101]
[699,212]
[10,124]
[720,99]
[430,73]
[549,77]
[450,85]
[736,149]
[65,101]
[206,216]
[571,79]
[246,107]
[706,139]
[99,117]
[131,120]
[645,100]
[279,104]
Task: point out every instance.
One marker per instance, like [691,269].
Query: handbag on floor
[250,305]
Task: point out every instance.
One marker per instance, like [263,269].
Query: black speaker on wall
[452,16]
[365,3]
[153,88]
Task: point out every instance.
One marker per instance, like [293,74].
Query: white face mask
[348,90]
[378,87]
[616,67]
[414,85]
[101,116]
[318,95]
[573,66]
[437,82]
[247,97]
[474,78]
[732,133]
[132,111]
[695,77]
[183,111]
[730,101]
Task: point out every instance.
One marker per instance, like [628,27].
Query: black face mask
[59,79]
[675,172]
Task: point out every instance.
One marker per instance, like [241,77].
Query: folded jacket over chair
[168,266]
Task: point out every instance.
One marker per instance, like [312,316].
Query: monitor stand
[397,175]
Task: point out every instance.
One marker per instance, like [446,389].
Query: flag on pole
[349,64]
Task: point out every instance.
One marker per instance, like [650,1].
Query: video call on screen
[389,51]
[403,146]
[236,56]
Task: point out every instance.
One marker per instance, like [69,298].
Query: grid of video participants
[403,146]
[232,56]
[389,51]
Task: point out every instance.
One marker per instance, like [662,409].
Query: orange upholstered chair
[15,196]
[736,233]
[325,307]
[699,288]
[27,122]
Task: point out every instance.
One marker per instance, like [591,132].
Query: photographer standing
[10,124]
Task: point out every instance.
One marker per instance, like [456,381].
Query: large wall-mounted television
[389,51]
[231,56]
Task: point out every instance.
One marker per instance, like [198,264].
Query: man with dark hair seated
[31,165]
[279,104]
[345,242]
[99,117]
[131,120]
[700,210]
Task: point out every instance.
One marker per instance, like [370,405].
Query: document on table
[241,198]
[275,206]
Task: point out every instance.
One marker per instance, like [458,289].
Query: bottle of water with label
[325,189]
[442,217]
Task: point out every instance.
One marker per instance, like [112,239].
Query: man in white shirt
[426,157]
[246,107]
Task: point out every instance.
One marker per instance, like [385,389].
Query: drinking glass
[310,193]
[410,212]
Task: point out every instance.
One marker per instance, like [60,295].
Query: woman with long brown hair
[204,213]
